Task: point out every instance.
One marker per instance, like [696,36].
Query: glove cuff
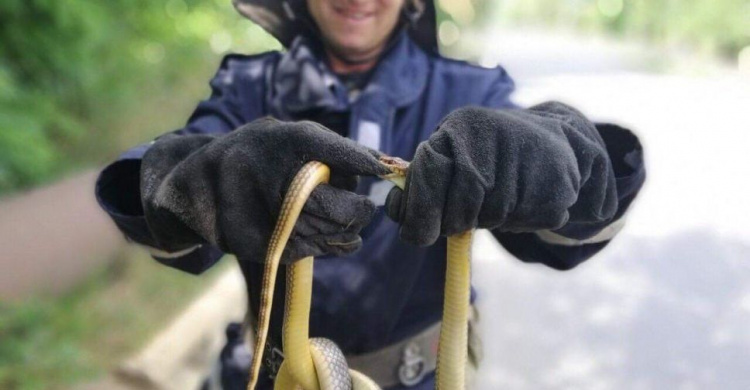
[163,157]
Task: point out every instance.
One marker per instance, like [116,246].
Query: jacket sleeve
[236,98]
[565,248]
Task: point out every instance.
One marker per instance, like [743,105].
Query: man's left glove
[513,170]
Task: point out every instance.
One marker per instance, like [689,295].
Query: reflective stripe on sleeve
[169,255]
[605,234]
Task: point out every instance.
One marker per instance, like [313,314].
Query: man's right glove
[227,190]
[512,170]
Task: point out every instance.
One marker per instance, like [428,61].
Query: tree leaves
[72,71]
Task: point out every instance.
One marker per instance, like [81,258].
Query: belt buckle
[412,368]
[274,358]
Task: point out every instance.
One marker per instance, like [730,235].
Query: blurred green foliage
[75,74]
[82,80]
[56,342]
[720,27]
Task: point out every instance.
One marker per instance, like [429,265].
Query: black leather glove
[227,190]
[514,170]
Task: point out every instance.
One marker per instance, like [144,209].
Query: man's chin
[355,53]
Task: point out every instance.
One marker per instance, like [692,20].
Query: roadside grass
[56,342]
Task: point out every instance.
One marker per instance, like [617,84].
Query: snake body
[318,364]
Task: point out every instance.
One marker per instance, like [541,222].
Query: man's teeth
[355,15]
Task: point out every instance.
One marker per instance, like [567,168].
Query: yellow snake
[318,364]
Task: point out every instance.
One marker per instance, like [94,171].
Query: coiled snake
[313,364]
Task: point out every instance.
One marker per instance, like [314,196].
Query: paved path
[667,305]
[52,237]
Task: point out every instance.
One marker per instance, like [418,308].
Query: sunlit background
[667,305]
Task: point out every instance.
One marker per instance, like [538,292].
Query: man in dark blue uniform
[360,78]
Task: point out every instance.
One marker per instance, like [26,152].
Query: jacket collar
[302,80]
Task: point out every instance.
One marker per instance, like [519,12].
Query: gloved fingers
[421,205]
[309,225]
[169,150]
[597,199]
[541,219]
[463,204]
[165,209]
[305,141]
[449,225]
[393,205]
[330,224]
[344,182]
[597,196]
[336,244]
[545,192]
[341,154]
[312,236]
[162,157]
[338,207]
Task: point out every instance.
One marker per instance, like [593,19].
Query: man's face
[355,29]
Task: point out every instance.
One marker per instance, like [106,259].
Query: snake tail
[304,182]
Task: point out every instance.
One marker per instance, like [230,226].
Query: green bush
[74,73]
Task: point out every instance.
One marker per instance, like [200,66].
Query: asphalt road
[667,304]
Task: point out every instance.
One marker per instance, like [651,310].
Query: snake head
[397,168]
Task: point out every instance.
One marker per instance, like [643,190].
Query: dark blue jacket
[388,290]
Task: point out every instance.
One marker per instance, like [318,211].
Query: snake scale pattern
[318,364]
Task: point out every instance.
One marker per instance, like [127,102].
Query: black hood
[286,19]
